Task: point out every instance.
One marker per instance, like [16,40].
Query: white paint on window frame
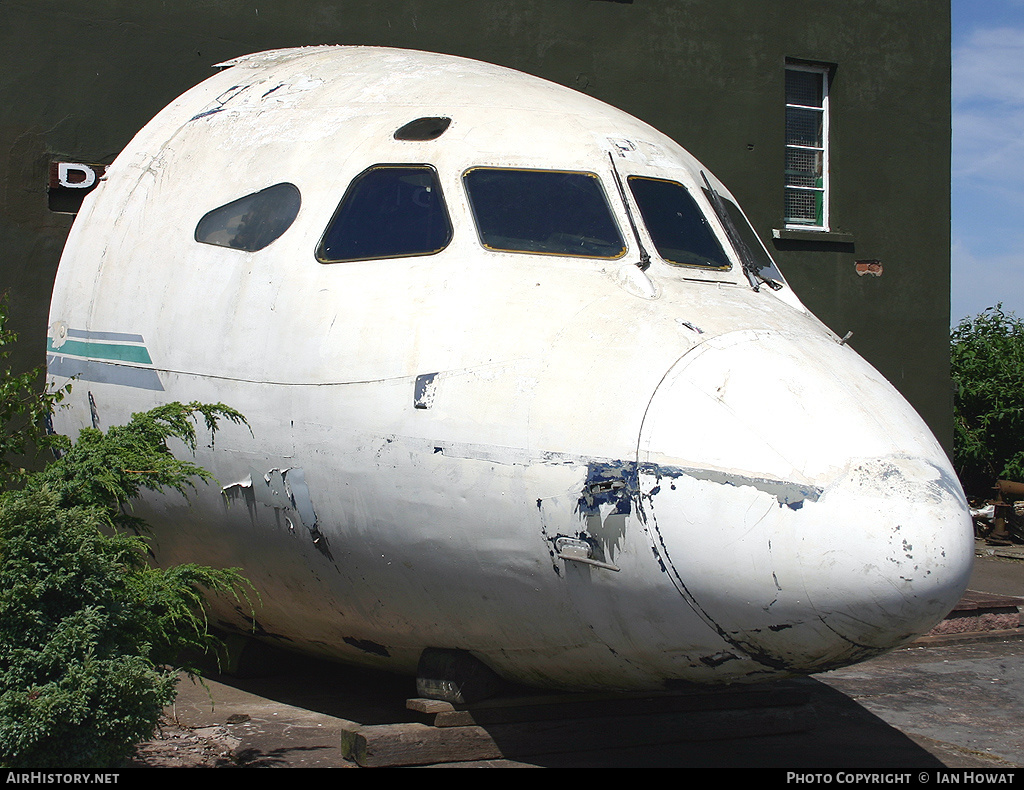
[823,191]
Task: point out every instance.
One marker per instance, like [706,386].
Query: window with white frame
[806,147]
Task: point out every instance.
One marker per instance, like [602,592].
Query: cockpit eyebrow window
[679,229]
[551,212]
[251,222]
[389,211]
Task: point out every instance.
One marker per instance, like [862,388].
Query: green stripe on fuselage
[90,350]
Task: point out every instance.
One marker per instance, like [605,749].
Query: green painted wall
[79,77]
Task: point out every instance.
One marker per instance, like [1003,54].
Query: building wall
[79,77]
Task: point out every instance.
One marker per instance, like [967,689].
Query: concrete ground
[953,702]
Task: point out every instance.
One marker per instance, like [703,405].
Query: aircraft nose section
[798,503]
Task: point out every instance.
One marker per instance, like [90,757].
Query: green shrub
[24,408]
[90,634]
[78,685]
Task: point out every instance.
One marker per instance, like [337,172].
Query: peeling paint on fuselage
[614,484]
[285,492]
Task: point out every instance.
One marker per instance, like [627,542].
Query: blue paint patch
[609,484]
[423,391]
[205,114]
[788,494]
[612,487]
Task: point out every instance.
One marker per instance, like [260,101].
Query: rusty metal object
[1007,524]
[1010,488]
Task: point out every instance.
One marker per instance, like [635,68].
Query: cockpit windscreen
[679,229]
[543,211]
[389,211]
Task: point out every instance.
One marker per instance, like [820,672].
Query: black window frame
[553,170]
[349,192]
[699,212]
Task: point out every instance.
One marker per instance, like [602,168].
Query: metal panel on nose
[798,503]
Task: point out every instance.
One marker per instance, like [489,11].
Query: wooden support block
[572,706]
[421,744]
[384,745]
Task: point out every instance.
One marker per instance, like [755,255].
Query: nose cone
[798,503]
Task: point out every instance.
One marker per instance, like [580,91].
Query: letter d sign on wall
[69,183]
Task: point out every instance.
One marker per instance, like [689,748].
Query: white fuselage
[587,474]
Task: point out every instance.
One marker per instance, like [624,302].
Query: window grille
[806,204]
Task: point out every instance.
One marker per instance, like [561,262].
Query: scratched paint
[284,491]
[423,393]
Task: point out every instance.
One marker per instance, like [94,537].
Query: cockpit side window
[757,263]
[679,229]
[389,211]
[549,212]
[251,222]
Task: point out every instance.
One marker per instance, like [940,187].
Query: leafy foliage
[90,634]
[987,356]
[24,407]
[107,470]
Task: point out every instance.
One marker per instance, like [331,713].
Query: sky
[987,178]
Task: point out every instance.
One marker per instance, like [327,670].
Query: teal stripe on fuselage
[90,350]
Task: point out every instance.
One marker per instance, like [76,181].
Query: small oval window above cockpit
[389,211]
[550,212]
[423,129]
[251,222]
[679,229]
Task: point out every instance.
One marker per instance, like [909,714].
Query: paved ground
[955,704]
[964,703]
